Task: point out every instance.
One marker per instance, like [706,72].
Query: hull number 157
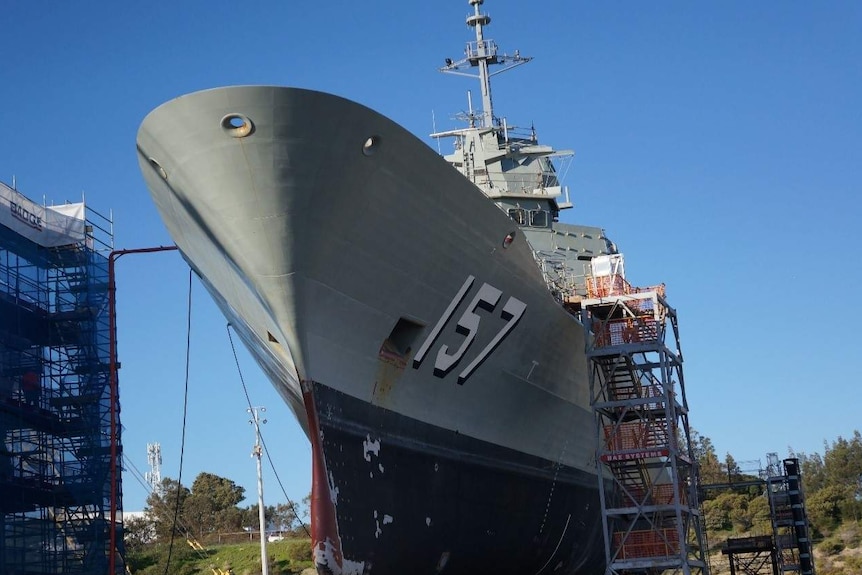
[487,298]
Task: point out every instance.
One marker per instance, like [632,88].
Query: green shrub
[851,534]
[853,564]
[299,551]
[832,545]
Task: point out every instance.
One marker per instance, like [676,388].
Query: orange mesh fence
[622,331]
[635,435]
[647,543]
[604,286]
[661,494]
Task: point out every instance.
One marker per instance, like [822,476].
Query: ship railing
[568,287]
[517,136]
[560,279]
[480,49]
[516,183]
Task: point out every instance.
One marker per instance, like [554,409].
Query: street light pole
[256,453]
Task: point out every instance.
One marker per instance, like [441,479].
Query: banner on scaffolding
[47,226]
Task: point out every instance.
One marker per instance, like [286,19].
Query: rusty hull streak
[391,365]
[324,524]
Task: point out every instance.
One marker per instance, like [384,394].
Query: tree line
[209,507]
[832,484]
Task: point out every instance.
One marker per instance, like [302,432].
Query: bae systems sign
[26,216]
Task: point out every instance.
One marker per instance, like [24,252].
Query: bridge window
[538,218]
[519,216]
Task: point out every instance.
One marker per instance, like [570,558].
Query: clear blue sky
[717,143]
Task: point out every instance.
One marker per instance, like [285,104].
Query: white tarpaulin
[47,226]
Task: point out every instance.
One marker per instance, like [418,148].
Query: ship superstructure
[511,167]
[506,163]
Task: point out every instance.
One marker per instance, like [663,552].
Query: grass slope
[287,557]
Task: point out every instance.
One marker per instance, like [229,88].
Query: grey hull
[341,263]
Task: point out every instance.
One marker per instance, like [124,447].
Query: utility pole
[256,453]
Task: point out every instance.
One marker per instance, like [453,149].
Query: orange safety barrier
[636,435]
[661,494]
[622,331]
[659,289]
[646,543]
[605,286]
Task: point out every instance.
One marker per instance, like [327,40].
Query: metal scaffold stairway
[789,518]
[647,471]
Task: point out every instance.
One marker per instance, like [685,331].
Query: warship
[412,309]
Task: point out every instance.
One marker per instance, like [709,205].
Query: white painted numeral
[512,311]
[429,341]
[468,325]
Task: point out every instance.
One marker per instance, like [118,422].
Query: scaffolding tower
[56,470]
[788,548]
[647,471]
[789,518]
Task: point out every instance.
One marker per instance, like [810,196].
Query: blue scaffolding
[56,468]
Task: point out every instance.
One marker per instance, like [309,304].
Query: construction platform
[59,471]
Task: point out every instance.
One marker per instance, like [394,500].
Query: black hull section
[415,498]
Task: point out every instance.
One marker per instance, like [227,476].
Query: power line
[268,457]
[185,413]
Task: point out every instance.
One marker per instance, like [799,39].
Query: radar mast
[481,54]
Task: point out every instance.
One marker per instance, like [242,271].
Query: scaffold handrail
[647,543]
[616,285]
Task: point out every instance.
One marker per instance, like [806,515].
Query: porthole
[158,168]
[237,125]
[371,145]
[510,237]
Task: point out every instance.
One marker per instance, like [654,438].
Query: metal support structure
[789,518]
[788,549]
[647,472]
[153,477]
[59,491]
[751,555]
[257,453]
